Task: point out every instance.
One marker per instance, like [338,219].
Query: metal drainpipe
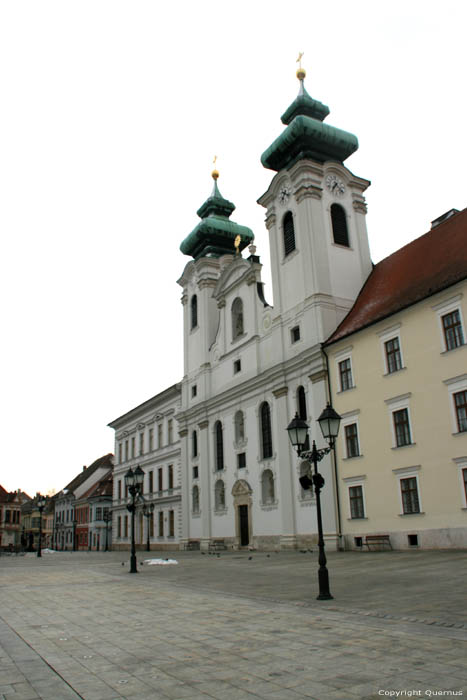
[339,525]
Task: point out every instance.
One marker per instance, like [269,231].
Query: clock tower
[315,215]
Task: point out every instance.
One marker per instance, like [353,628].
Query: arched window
[305,470]
[194,311]
[267,487]
[339,225]
[195,499]
[302,412]
[194,443]
[266,432]
[237,318]
[219,495]
[289,233]
[219,446]
[239,427]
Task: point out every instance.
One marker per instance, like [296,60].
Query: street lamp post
[148,511]
[107,518]
[329,422]
[134,481]
[74,533]
[40,503]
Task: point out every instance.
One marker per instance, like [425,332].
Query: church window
[194,391]
[194,444]
[195,499]
[301,410]
[295,334]
[194,311]
[266,432]
[239,427]
[219,445]
[339,225]
[237,318]
[289,233]
[195,472]
[219,495]
[237,366]
[267,487]
[305,494]
[241,460]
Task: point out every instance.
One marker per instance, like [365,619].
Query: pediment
[232,276]
[241,488]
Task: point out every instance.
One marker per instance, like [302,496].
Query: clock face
[335,186]
[284,195]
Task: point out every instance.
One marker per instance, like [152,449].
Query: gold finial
[237,242]
[215,172]
[301,72]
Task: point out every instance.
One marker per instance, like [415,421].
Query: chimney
[84,468]
[443,217]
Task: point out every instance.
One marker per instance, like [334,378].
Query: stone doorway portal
[242,494]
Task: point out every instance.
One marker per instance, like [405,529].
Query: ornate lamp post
[40,503]
[107,519]
[148,511]
[329,422]
[134,481]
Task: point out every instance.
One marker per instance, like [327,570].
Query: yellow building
[398,378]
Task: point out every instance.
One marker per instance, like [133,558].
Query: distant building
[10,517]
[147,436]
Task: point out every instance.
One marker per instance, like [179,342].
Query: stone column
[285,471]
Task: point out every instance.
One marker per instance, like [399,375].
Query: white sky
[111,113]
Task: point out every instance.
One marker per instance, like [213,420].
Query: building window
[409,492]
[119,489]
[237,366]
[133,447]
[239,427]
[305,470]
[171,523]
[141,444]
[452,327]
[267,487]
[219,495]
[289,233]
[339,225]
[460,403]
[351,440]
[266,432]
[160,479]
[241,460]
[393,355]
[295,334]
[125,530]
[345,374]
[194,391]
[194,444]
[159,435]
[219,445]
[402,427]
[151,482]
[195,472]
[237,318]
[171,476]
[194,311]
[120,453]
[301,403]
[357,509]
[195,499]
[161,523]
[170,431]
[464,481]
[151,439]
[126,450]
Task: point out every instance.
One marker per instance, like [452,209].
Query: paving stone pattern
[233,628]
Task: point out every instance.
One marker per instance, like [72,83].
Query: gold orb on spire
[215,172]
[301,72]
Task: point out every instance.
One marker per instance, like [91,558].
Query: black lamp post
[74,532]
[107,518]
[148,511]
[329,422]
[40,503]
[134,481]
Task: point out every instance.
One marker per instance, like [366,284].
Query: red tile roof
[427,265]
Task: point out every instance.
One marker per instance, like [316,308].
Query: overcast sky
[111,115]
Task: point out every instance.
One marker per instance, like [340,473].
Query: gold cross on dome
[237,242]
[299,59]
[214,161]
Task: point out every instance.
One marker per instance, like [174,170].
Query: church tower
[316,219]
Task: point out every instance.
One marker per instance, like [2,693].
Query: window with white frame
[402,434]
[458,397]
[267,487]
[461,463]
[350,434]
[409,490]
[356,497]
[392,349]
[451,323]
[344,368]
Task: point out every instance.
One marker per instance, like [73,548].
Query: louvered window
[219,446]
[289,233]
[339,225]
[194,311]
[266,432]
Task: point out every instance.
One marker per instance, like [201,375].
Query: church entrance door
[244,526]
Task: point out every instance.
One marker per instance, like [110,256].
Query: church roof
[306,136]
[427,265]
[215,234]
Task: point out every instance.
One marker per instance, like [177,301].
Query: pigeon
[250,558]
[123,563]
[268,555]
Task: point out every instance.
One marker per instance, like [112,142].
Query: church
[249,367]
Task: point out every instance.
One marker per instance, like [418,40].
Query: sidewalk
[233,627]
